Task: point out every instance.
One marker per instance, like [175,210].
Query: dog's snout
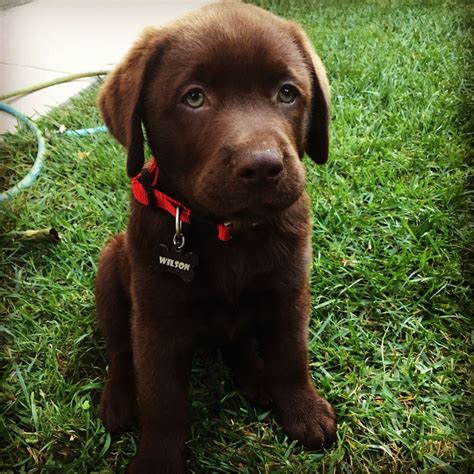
[258,167]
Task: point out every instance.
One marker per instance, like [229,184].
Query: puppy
[217,250]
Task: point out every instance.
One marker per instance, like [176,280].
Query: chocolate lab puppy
[217,250]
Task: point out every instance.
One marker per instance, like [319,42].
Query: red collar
[144,192]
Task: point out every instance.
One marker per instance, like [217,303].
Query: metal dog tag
[173,261]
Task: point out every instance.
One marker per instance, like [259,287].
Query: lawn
[390,329]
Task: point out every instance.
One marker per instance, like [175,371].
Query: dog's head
[230,97]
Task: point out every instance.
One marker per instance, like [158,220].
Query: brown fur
[250,296]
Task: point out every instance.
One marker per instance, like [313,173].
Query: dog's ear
[317,139]
[121,96]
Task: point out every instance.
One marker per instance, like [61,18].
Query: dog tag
[174,261]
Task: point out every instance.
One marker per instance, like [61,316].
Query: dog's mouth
[246,207]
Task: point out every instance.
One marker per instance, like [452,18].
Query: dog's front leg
[162,358]
[302,412]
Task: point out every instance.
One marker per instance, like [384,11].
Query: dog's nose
[259,167]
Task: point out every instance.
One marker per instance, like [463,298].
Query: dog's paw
[310,419]
[164,458]
[149,465]
[118,407]
[252,384]
[257,395]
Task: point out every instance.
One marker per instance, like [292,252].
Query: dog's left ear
[317,138]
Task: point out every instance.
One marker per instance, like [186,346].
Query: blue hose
[85,131]
[38,164]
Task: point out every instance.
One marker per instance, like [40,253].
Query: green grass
[390,334]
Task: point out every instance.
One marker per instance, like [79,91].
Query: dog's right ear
[120,99]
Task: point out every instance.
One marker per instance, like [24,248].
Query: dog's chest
[230,279]
[217,320]
[227,289]
[230,270]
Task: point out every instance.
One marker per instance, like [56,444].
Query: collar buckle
[146,180]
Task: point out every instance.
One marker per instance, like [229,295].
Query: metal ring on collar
[178,224]
[178,241]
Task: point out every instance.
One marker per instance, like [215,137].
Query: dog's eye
[287,94]
[194,98]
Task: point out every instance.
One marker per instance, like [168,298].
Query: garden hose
[38,164]
[43,85]
[85,131]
